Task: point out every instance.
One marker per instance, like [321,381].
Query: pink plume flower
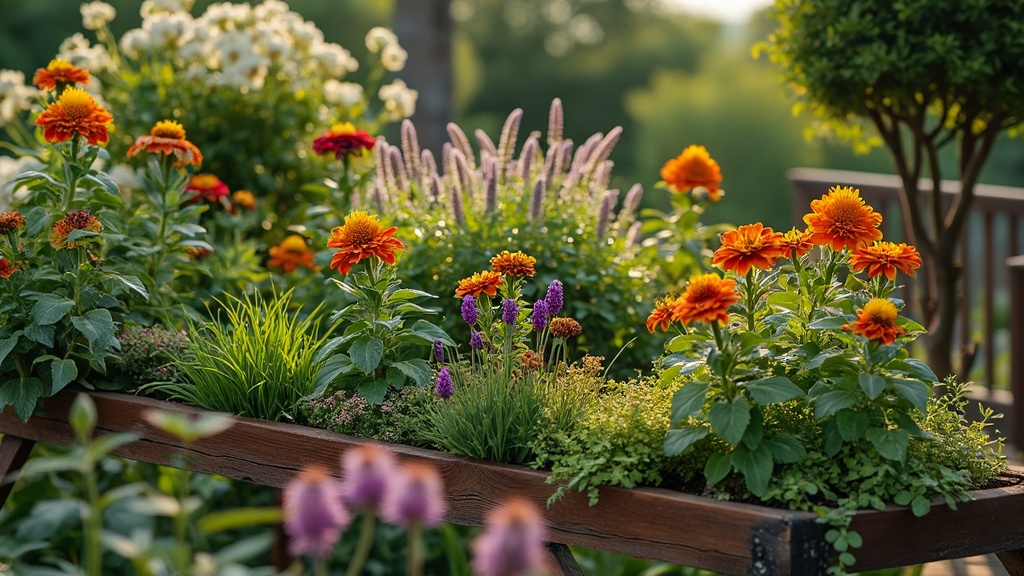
[314,516]
[366,475]
[417,497]
[512,543]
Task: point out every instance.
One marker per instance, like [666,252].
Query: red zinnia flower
[168,138]
[7,268]
[74,220]
[514,264]
[796,243]
[206,187]
[343,140]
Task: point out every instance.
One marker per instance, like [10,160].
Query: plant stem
[94,526]
[415,549]
[69,174]
[363,546]
[750,298]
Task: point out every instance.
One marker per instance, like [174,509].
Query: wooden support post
[561,557]
[1013,561]
[14,453]
[1016,268]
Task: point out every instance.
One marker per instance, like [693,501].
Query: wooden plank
[563,560]
[1013,561]
[14,452]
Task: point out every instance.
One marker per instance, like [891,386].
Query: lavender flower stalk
[461,143]
[539,316]
[512,543]
[509,311]
[438,351]
[476,341]
[537,200]
[394,170]
[554,298]
[507,141]
[469,309]
[314,516]
[444,387]
[527,156]
[555,123]
[411,148]
[486,144]
[634,234]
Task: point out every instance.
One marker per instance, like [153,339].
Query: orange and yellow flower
[167,137]
[291,253]
[662,314]
[514,264]
[485,282]
[243,199]
[877,321]
[11,221]
[707,298]
[752,245]
[360,237]
[693,168]
[206,187]
[796,243]
[343,140]
[59,72]
[886,258]
[7,268]
[565,327]
[841,219]
[74,220]
[75,112]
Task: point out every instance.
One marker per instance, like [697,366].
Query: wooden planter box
[650,523]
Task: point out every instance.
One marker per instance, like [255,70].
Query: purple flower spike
[439,351]
[554,298]
[509,311]
[444,387]
[469,309]
[540,315]
[314,516]
[476,342]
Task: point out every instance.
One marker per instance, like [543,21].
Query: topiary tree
[928,76]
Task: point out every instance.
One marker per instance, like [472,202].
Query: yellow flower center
[59,64]
[76,103]
[294,244]
[204,181]
[846,209]
[168,129]
[342,128]
[880,311]
[360,228]
[703,287]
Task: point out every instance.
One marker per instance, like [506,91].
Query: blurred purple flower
[417,498]
[509,311]
[439,351]
[444,387]
[314,515]
[554,298]
[476,341]
[512,543]
[366,470]
[469,309]
[540,315]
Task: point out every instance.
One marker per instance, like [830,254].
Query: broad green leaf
[914,390]
[409,294]
[220,521]
[430,332]
[98,328]
[677,440]
[920,505]
[395,377]
[820,359]
[772,390]
[833,401]
[50,309]
[373,390]
[366,353]
[717,468]
[785,300]
[832,323]
[40,334]
[891,444]
[685,342]
[23,395]
[729,420]
[852,424]
[417,369]
[8,344]
[688,400]
[332,368]
[785,448]
[133,284]
[755,465]
[62,372]
[871,384]
[920,370]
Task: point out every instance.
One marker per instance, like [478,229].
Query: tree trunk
[944,301]
[424,29]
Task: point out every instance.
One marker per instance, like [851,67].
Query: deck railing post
[1016,269]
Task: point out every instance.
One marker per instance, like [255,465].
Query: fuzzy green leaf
[891,444]
[920,506]
[62,372]
[677,440]
[366,353]
[717,468]
[395,377]
[852,424]
[688,400]
[772,390]
[915,391]
[755,465]
[833,401]
[920,370]
[729,420]
[8,344]
[831,323]
[23,395]
[49,309]
[373,390]
[417,369]
[785,300]
[785,448]
[871,384]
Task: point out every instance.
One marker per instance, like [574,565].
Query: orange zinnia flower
[485,282]
[877,321]
[168,138]
[661,316]
[886,258]
[7,268]
[10,221]
[74,220]
[206,187]
[514,264]
[291,253]
[694,167]
[243,199]
[750,245]
[75,112]
[842,219]
[343,140]
[565,328]
[707,299]
[796,243]
[59,72]
[360,237]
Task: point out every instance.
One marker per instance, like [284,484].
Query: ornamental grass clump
[514,382]
[260,362]
[546,194]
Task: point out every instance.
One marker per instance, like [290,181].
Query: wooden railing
[991,318]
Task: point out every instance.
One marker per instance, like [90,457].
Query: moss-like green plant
[260,363]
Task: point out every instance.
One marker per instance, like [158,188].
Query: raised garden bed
[727,537]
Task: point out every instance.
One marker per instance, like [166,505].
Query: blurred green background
[669,78]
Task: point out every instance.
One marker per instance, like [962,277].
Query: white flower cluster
[92,57]
[96,15]
[15,95]
[10,168]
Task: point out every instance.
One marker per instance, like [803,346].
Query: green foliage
[616,441]
[260,363]
[148,354]
[347,412]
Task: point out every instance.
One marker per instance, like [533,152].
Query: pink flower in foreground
[366,471]
[513,542]
[314,516]
[417,497]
